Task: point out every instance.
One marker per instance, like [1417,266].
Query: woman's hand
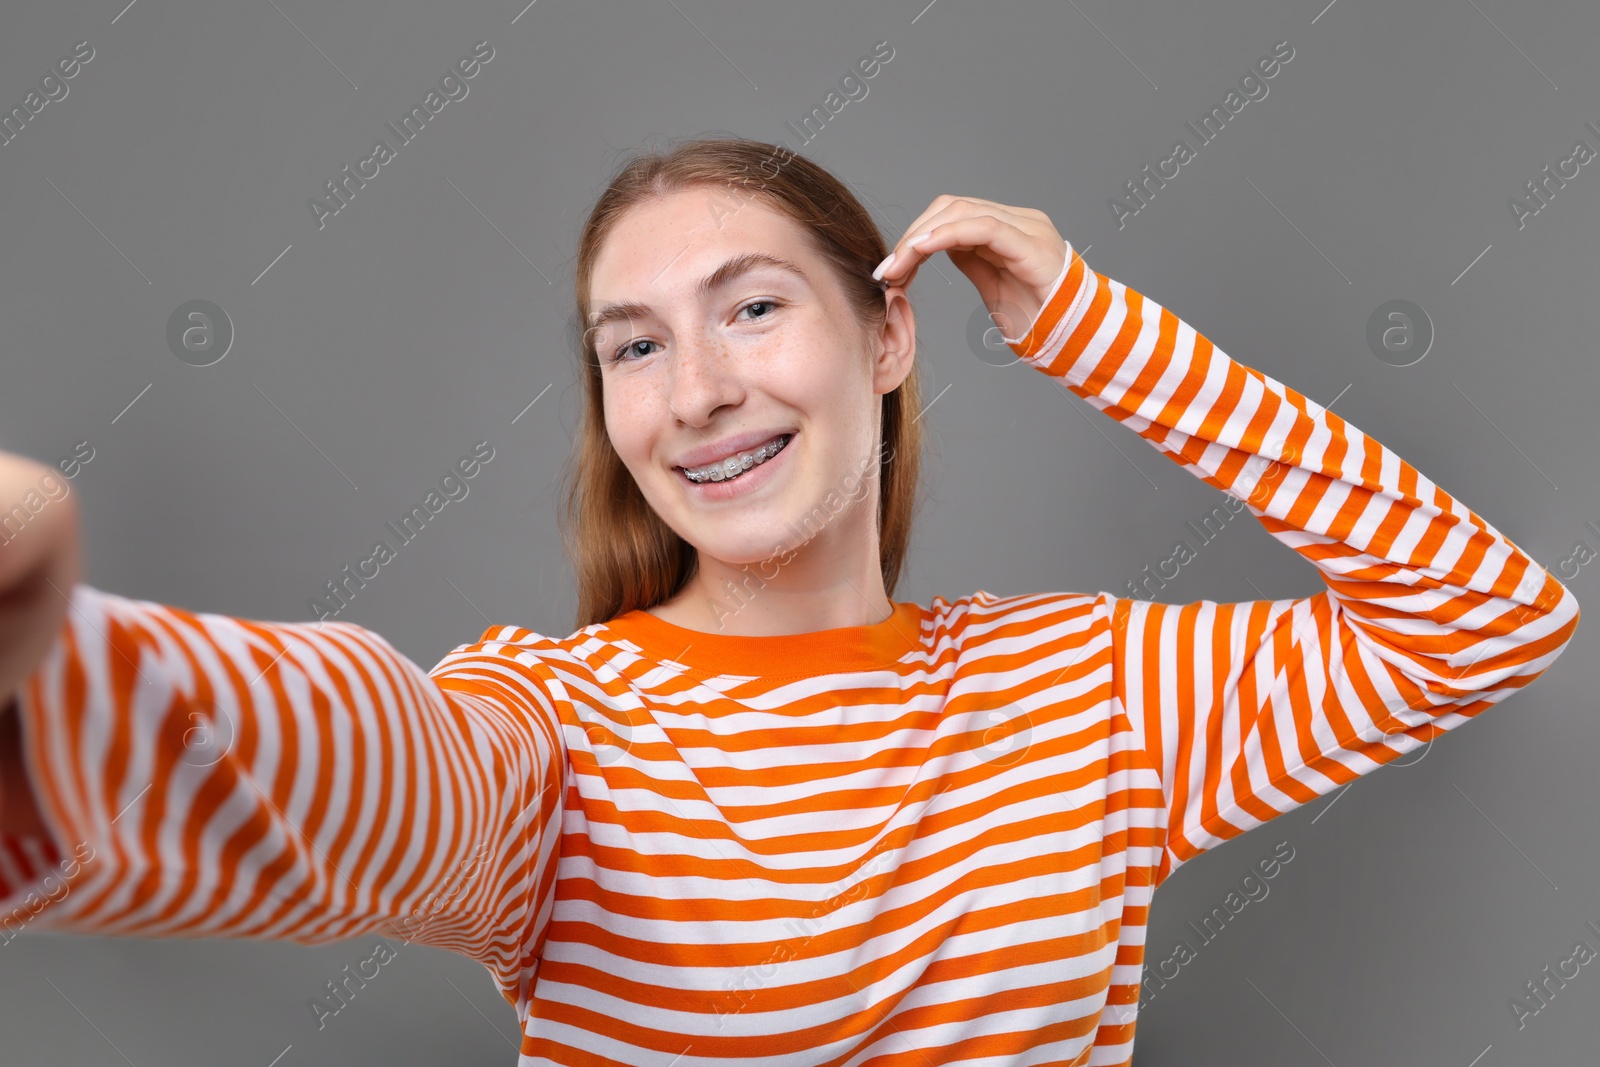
[39,565]
[1012,254]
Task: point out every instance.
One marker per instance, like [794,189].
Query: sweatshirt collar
[845,648]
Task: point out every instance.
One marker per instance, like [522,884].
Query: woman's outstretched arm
[1248,710]
[198,775]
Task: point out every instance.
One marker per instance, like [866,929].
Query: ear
[896,341]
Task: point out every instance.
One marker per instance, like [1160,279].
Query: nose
[703,376]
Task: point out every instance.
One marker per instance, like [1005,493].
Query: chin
[763,543]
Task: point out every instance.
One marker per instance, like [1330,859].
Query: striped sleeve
[1248,710]
[206,776]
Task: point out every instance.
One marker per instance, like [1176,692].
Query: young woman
[754,810]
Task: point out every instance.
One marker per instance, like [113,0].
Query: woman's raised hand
[40,562]
[1012,254]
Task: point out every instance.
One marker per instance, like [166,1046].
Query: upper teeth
[724,469]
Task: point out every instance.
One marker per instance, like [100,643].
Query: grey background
[435,307]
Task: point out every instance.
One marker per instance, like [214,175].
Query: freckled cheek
[817,374]
[629,428]
[799,366]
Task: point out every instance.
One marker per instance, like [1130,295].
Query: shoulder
[983,617]
[527,667]
[529,648]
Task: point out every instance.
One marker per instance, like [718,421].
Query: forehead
[667,243]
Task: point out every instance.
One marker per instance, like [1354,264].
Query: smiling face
[713,347]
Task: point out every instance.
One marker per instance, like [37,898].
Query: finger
[992,239]
[984,275]
[903,258]
[940,211]
[20,478]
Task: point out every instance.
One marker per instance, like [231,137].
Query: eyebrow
[727,272]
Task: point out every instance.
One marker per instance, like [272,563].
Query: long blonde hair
[625,556]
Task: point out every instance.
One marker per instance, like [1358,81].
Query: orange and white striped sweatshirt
[932,840]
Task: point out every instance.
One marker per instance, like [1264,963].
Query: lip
[749,482]
[728,446]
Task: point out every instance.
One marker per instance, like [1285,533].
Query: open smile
[737,474]
[728,469]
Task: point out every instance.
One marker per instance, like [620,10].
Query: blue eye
[616,357]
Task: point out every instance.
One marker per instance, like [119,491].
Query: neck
[822,586]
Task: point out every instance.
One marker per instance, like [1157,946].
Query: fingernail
[923,236]
[877,275]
